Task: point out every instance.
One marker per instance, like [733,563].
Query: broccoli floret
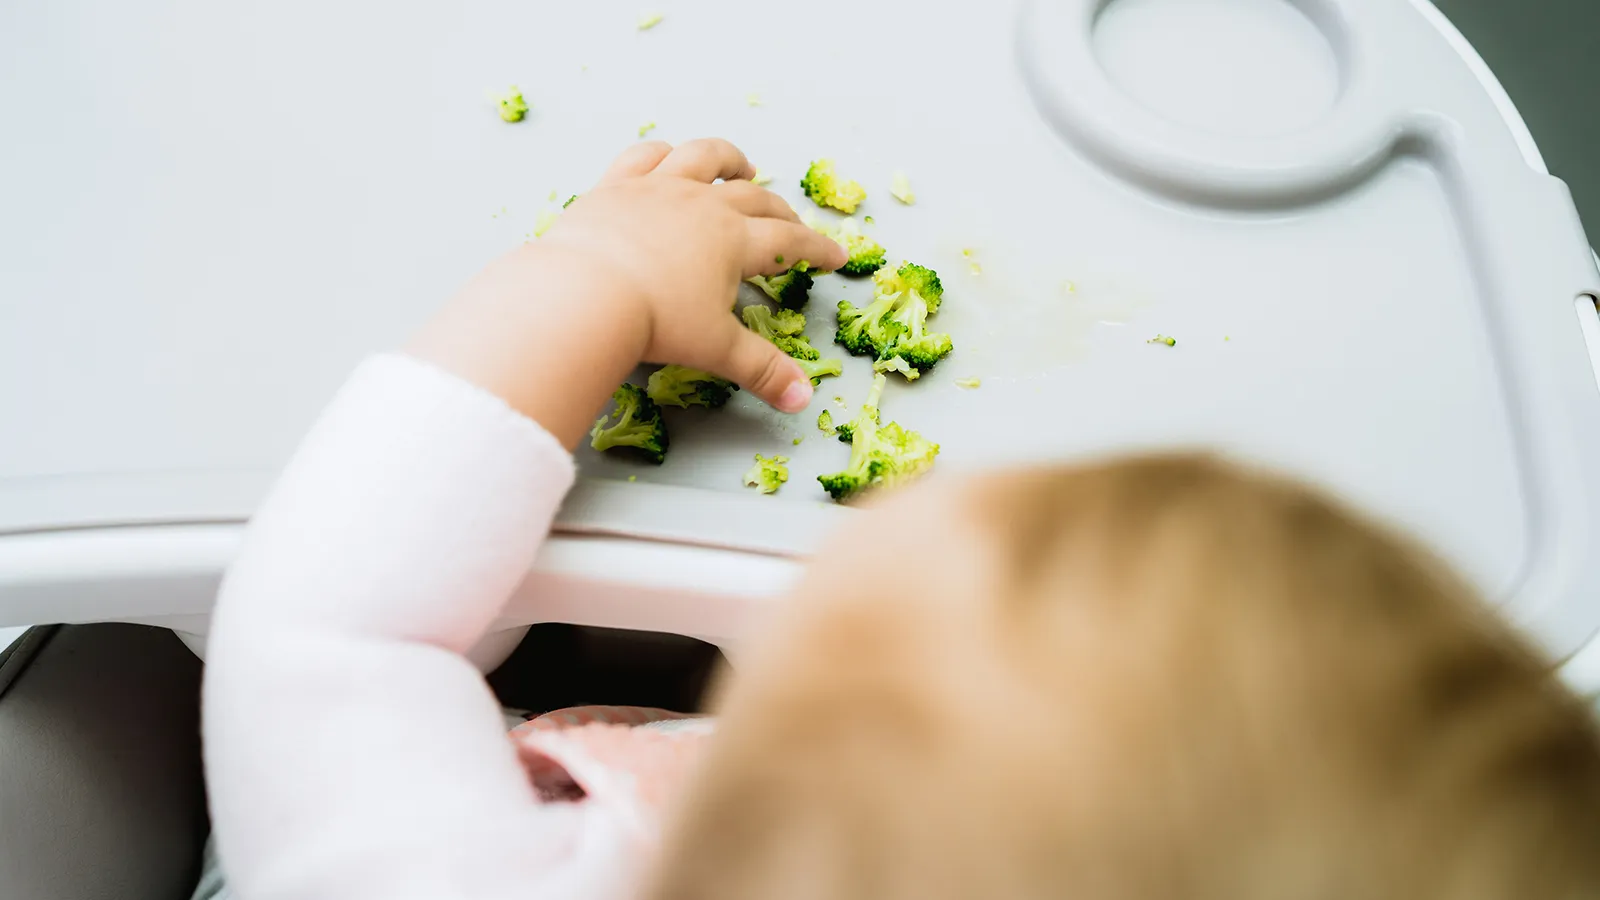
[912,277]
[512,106]
[791,289]
[899,365]
[783,327]
[818,369]
[684,387]
[868,330]
[635,424]
[826,188]
[866,254]
[880,456]
[768,474]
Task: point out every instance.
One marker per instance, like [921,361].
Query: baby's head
[1156,678]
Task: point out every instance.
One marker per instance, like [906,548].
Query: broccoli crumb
[900,188]
[1163,339]
[797,441]
[825,422]
[753,99]
[778,259]
[633,478]
[970,255]
[512,106]
[649,21]
[825,188]
[646,128]
[768,474]
[969,383]
[867,219]
[553,196]
[547,218]
[840,401]
[761,178]
[1070,287]
[570,201]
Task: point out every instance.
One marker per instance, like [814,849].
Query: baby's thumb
[764,370]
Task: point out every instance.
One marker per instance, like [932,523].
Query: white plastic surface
[1380,300]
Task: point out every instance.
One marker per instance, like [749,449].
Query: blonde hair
[1167,678]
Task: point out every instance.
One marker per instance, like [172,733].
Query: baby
[1154,678]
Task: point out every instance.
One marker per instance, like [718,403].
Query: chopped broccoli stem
[649,21]
[635,424]
[684,387]
[760,178]
[897,364]
[818,369]
[791,289]
[866,255]
[825,422]
[969,383]
[768,474]
[1163,339]
[512,106]
[900,188]
[881,456]
[825,188]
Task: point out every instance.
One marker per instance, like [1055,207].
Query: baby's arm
[351,750]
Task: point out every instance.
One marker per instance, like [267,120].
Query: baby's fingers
[707,159]
[640,159]
[755,201]
[776,245]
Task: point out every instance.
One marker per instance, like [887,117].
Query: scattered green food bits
[797,441]
[650,20]
[900,189]
[753,99]
[1163,339]
[970,384]
[970,255]
[512,106]
[867,219]
[646,128]
[633,478]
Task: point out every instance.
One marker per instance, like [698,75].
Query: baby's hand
[643,268]
[683,243]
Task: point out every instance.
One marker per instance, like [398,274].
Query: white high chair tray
[212,211]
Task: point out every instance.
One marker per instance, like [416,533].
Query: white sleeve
[351,751]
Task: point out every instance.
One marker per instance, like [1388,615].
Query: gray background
[1542,52]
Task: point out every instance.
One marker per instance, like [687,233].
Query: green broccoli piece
[898,365]
[791,289]
[818,369]
[783,327]
[569,201]
[880,456]
[866,254]
[636,424]
[512,106]
[684,387]
[826,188]
[825,422]
[768,474]
[911,277]
[868,330]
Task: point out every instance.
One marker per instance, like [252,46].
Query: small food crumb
[649,21]
[761,178]
[840,400]
[553,196]
[569,202]
[969,383]
[900,188]
[512,106]
[497,215]
[867,219]
[1069,286]
[1226,338]
[1163,339]
[633,478]
[797,442]
[753,99]
[825,422]
[967,253]
[778,259]
[646,128]
[547,217]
